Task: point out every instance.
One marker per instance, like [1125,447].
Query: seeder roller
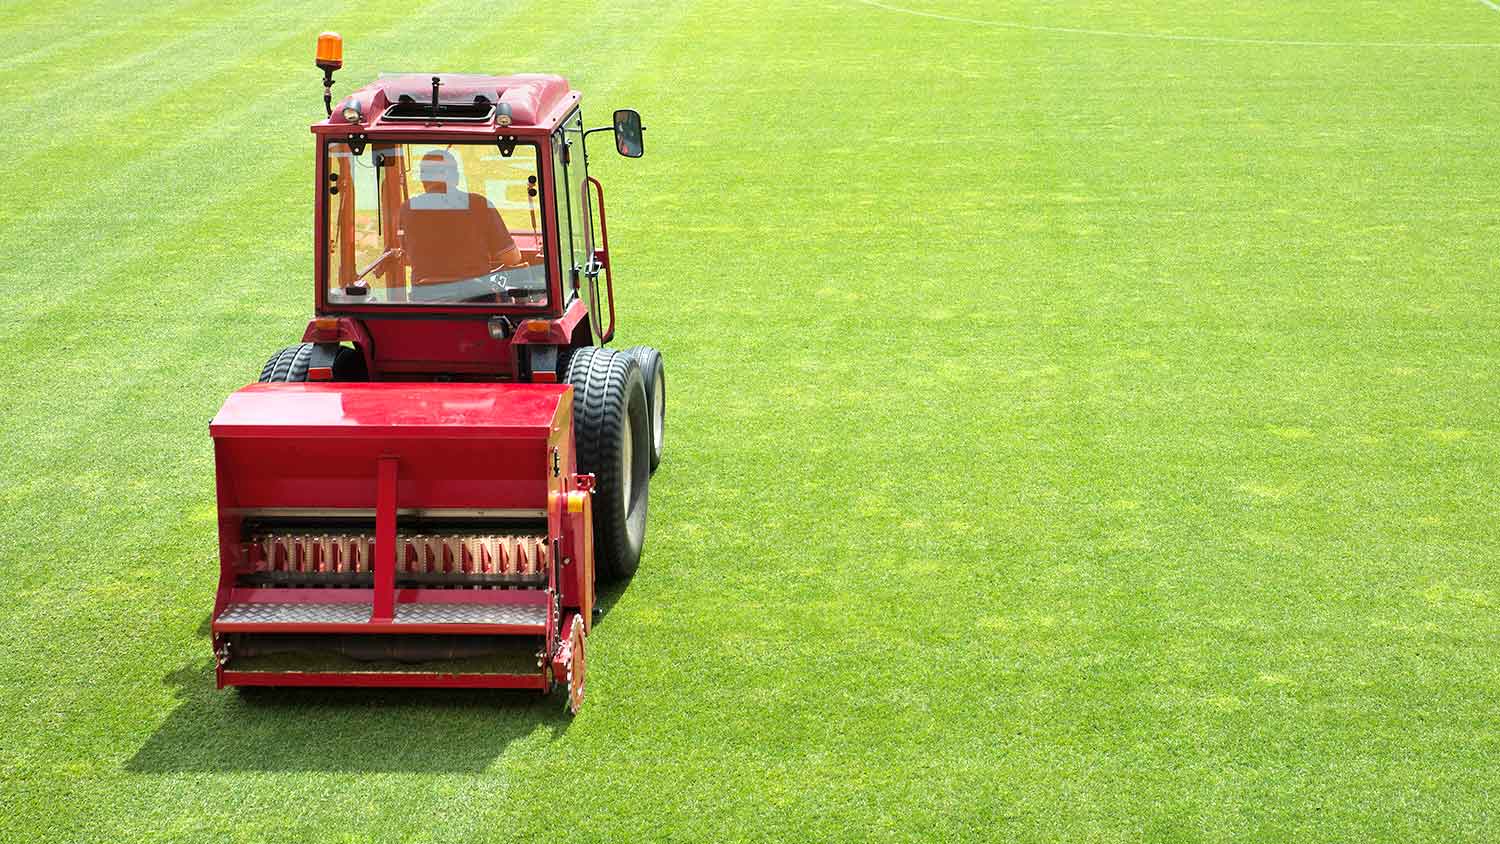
[459,559]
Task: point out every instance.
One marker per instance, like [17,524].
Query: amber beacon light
[329,57]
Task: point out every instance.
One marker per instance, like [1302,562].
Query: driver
[450,235]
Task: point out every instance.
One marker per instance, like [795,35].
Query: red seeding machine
[425,490]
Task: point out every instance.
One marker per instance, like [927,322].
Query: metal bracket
[384,608]
[543,358]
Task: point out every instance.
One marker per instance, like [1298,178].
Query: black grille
[410,109]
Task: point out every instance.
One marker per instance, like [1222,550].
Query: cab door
[575,235]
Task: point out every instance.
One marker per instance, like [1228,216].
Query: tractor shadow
[605,597]
[345,729]
[341,730]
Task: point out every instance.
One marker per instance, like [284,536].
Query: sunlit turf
[1072,435]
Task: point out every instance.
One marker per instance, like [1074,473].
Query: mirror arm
[584,139]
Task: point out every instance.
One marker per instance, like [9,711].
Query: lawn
[1082,425]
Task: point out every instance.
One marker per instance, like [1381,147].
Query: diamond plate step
[264,613]
[295,614]
[470,614]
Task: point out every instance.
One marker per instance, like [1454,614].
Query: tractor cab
[464,200]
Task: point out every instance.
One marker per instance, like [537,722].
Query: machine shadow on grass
[345,729]
[340,729]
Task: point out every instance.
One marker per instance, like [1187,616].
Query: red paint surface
[534,99]
[395,410]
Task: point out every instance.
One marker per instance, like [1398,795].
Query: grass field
[1082,425]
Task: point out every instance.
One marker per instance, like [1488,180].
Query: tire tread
[652,370]
[289,364]
[601,380]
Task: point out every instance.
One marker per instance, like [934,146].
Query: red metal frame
[384,600]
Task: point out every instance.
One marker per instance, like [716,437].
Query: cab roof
[403,101]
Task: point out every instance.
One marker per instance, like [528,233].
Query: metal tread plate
[359,613]
[516,614]
[341,613]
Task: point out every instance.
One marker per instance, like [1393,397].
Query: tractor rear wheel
[612,430]
[289,364]
[656,395]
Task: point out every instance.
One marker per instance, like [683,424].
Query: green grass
[1072,436]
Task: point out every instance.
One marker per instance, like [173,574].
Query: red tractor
[423,491]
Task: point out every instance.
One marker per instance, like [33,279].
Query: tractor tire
[656,395]
[612,431]
[289,364]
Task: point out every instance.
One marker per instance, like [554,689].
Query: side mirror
[628,131]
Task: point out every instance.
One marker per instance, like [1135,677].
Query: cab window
[423,223]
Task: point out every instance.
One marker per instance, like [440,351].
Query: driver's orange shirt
[461,238]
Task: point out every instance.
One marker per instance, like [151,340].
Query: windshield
[433,223]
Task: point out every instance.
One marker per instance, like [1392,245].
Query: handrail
[603,253]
